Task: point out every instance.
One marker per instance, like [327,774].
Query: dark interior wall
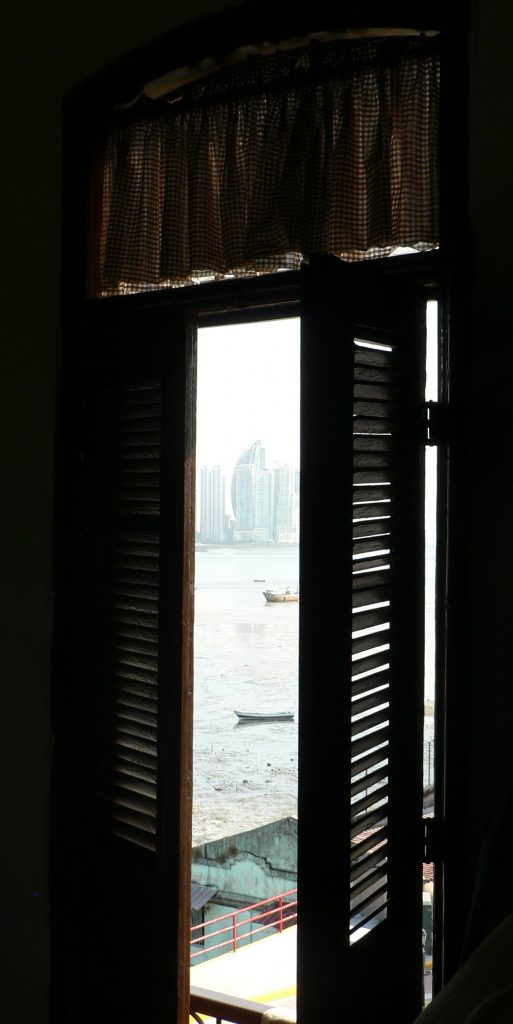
[48,49]
[487,705]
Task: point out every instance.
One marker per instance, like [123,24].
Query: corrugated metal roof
[201,894]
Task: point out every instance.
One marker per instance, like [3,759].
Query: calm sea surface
[246,659]
[246,656]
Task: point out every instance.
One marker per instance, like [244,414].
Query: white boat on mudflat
[281,594]
[264,716]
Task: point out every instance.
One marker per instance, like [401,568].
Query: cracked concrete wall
[251,865]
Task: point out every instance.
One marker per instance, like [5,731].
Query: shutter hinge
[435,423]
[433,840]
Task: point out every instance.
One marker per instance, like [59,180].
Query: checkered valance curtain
[330,148]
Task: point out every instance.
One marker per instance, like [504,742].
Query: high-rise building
[243,488]
[212,505]
[243,498]
[263,503]
[286,506]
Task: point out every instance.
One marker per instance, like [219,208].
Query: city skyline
[264,501]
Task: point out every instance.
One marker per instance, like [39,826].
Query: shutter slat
[144,765]
[364,886]
[371,493]
[129,690]
[377,475]
[370,721]
[128,740]
[134,836]
[129,726]
[372,407]
[374,423]
[137,545]
[135,598]
[371,356]
[368,843]
[129,713]
[379,660]
[128,700]
[369,742]
[371,564]
[369,861]
[136,644]
[366,391]
[365,580]
[379,528]
[137,640]
[369,761]
[124,779]
[129,797]
[371,373]
[138,821]
[376,592]
[384,463]
[142,493]
[137,625]
[368,780]
[133,604]
[368,617]
[136,774]
[379,638]
[371,543]
[375,699]
[381,792]
[130,660]
[372,903]
[369,683]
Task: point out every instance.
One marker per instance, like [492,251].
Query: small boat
[265,716]
[281,594]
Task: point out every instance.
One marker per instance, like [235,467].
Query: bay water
[245,659]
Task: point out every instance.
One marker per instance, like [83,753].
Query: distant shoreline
[243,546]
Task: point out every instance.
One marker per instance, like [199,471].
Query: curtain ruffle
[332,148]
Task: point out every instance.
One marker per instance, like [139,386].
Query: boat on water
[276,594]
[264,716]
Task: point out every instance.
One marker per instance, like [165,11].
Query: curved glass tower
[243,485]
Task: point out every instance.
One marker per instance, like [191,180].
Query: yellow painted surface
[263,971]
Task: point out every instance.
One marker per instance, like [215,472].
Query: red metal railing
[234,928]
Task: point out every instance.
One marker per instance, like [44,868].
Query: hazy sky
[248,390]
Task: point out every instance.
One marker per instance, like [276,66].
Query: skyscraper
[243,497]
[243,488]
[212,505]
[286,505]
[263,504]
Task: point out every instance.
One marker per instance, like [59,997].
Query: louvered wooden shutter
[361,644]
[132,659]
[131,444]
